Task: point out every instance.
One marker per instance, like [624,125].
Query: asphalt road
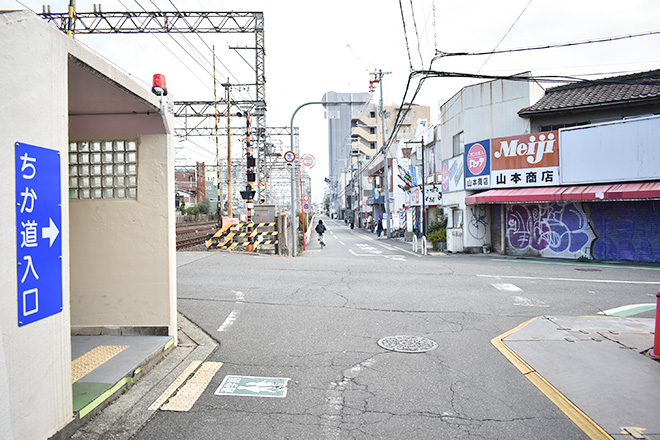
[316,320]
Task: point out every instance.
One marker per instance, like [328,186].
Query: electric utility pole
[378,77]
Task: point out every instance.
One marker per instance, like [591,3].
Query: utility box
[455,240]
[263,214]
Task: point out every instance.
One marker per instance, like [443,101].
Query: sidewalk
[593,370]
[132,408]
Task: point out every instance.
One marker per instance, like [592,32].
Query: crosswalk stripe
[629,310]
[188,394]
[176,384]
[507,287]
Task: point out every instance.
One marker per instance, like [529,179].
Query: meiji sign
[534,150]
[525,160]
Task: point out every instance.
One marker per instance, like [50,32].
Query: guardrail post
[424,244]
[414,243]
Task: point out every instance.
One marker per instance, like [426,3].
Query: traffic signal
[248,194]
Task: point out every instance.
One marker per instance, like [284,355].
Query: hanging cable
[440,54]
[405,34]
[419,51]
[435,32]
[505,35]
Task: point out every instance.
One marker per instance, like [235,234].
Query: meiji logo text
[533,149]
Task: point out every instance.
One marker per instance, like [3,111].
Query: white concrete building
[95,139]
[481,111]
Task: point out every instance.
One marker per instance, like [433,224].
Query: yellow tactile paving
[186,397]
[93,359]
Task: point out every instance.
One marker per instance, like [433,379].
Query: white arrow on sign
[51,232]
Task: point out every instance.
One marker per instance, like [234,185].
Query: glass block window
[103,169]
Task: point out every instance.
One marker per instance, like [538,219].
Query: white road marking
[229,321]
[240,296]
[396,257]
[526,302]
[631,309]
[378,254]
[367,248]
[341,243]
[507,287]
[174,385]
[610,266]
[571,279]
[188,394]
[409,252]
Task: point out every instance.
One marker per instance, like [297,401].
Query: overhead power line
[541,79]
[405,34]
[441,54]
[419,50]
[505,35]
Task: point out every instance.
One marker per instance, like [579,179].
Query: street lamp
[293,194]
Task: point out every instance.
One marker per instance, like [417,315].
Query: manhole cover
[585,269]
[407,344]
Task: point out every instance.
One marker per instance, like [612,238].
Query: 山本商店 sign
[525,160]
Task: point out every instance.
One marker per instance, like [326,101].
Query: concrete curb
[577,416]
[129,413]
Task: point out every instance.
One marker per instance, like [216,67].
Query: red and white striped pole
[655,352]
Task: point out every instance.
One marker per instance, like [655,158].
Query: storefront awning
[619,191]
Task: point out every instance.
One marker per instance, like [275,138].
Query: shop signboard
[432,195]
[452,174]
[617,151]
[525,160]
[477,165]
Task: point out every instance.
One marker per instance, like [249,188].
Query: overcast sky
[313,47]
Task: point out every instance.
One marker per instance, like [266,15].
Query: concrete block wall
[35,378]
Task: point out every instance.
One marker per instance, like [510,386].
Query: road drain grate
[407,344]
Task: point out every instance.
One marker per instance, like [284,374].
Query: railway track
[193,234]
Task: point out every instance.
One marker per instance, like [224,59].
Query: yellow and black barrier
[248,236]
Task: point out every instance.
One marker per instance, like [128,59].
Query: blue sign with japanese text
[38,237]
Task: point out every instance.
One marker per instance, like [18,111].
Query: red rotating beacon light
[158,85]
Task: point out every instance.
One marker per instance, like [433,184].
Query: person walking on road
[379,227]
[320,230]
